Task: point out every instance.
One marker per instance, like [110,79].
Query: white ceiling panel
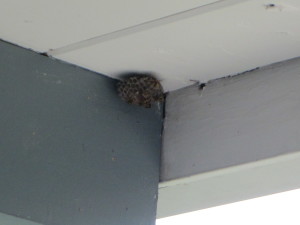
[42,25]
[180,41]
[215,44]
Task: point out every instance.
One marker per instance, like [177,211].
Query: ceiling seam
[144,26]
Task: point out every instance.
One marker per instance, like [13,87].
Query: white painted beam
[236,139]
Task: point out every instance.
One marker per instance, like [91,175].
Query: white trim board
[12,220]
[229,185]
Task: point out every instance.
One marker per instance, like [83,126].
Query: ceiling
[182,42]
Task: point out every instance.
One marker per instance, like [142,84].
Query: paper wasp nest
[141,89]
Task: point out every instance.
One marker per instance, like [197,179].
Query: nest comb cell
[140,89]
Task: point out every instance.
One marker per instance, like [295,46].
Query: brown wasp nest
[141,89]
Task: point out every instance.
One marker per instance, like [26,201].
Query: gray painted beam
[71,152]
[250,119]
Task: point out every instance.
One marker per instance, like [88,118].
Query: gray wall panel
[71,152]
